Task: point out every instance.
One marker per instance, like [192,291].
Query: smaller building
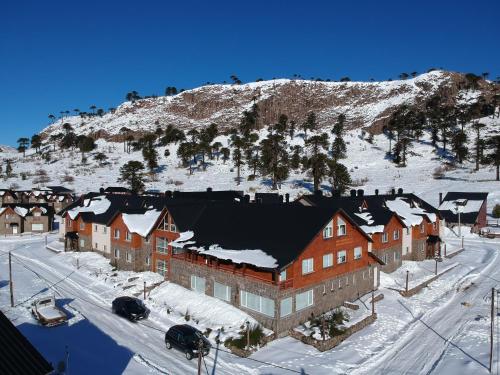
[20,218]
[470,209]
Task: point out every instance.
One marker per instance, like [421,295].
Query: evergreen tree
[172,135]
[215,148]
[132,174]
[85,144]
[459,145]
[8,168]
[225,154]
[316,161]
[339,176]
[238,145]
[296,158]
[150,155]
[55,139]
[100,158]
[478,144]
[338,147]
[36,142]
[493,144]
[23,145]
[184,152]
[309,125]
[291,129]
[274,157]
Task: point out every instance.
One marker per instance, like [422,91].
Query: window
[129,257]
[104,230]
[104,247]
[422,228]
[286,307]
[164,223]
[222,291]
[307,266]
[96,246]
[385,237]
[82,225]
[327,260]
[395,235]
[37,213]
[303,300]
[357,252]
[117,233]
[397,256]
[408,231]
[328,230]
[37,227]
[173,227]
[7,216]
[117,253]
[63,221]
[341,227]
[162,245]
[161,267]
[147,261]
[128,236]
[95,228]
[283,275]
[198,284]
[341,257]
[257,303]
[434,225]
[82,243]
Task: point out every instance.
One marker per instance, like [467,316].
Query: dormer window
[341,227]
[328,230]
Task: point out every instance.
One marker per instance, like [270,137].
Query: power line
[52,286]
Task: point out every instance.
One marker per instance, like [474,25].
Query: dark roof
[268,198]
[454,195]
[17,354]
[468,218]
[117,189]
[59,189]
[30,206]
[280,230]
[209,195]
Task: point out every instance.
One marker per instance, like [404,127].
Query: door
[375,277]
[14,229]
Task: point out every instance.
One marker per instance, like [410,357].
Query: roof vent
[361,192]
[209,189]
[393,191]
[376,191]
[400,191]
[353,192]
[287,198]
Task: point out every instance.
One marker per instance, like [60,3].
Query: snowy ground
[444,329]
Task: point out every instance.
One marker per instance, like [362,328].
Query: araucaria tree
[85,144]
[309,125]
[238,144]
[36,142]
[493,144]
[316,161]
[274,159]
[478,142]
[339,176]
[23,145]
[150,155]
[132,174]
[338,147]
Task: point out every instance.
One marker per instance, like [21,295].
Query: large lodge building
[278,261]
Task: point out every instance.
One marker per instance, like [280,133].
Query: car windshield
[194,337]
[134,306]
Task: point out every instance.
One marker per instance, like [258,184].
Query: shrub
[207,332]
[438,173]
[256,336]
[496,211]
[187,317]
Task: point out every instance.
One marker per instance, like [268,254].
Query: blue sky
[61,55]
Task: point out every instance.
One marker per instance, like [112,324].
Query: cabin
[19,218]
[470,209]
[278,262]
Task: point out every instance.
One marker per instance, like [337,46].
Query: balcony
[286,284]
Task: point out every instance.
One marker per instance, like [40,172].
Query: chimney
[168,194]
[393,191]
[281,198]
[246,198]
[353,192]
[101,190]
[376,191]
[287,198]
[361,192]
[440,198]
[209,189]
[400,191]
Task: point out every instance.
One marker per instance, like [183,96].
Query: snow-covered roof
[21,211]
[369,228]
[411,216]
[142,224]
[183,239]
[257,258]
[463,206]
[97,205]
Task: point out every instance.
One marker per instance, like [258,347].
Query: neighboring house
[8,196]
[131,240]
[472,208]
[17,354]
[278,262]
[19,218]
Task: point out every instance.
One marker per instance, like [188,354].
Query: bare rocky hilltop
[365,104]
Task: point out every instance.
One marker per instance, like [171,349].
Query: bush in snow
[256,337]
[438,173]
[187,317]
[496,211]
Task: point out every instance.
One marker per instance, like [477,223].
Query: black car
[188,340]
[131,308]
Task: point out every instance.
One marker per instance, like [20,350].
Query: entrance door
[14,229]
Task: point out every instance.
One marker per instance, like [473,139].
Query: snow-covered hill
[365,104]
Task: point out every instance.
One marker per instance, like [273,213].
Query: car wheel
[168,344]
[189,356]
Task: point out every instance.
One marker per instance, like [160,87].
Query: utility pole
[407,275]
[492,325]
[200,354]
[11,283]
[144,290]
[373,301]
[436,269]
[248,335]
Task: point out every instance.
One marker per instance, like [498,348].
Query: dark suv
[131,308]
[187,339]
